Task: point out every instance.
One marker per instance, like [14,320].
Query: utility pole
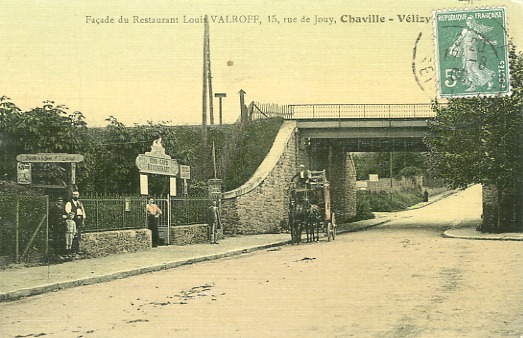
[205,79]
[220,96]
[209,76]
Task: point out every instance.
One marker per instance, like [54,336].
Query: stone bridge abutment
[261,204]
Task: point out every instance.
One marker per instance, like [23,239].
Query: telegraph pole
[205,79]
[209,76]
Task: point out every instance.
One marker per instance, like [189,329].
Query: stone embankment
[259,206]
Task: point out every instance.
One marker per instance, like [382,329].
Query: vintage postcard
[373,71]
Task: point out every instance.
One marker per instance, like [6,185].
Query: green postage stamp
[471,52]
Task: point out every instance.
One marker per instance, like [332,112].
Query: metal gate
[164,221]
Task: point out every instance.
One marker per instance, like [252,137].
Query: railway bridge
[320,136]
[357,127]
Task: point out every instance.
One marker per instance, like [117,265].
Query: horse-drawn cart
[310,207]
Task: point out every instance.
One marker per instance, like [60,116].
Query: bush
[394,201]
[363,207]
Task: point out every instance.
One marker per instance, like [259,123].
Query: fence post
[17,236]
[46,251]
[168,219]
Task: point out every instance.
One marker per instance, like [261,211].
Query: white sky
[141,72]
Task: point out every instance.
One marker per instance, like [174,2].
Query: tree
[403,164]
[480,140]
[112,167]
[9,141]
[46,129]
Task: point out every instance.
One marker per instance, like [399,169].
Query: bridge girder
[364,135]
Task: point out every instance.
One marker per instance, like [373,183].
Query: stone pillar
[341,174]
[502,210]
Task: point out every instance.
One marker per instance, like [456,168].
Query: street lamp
[220,96]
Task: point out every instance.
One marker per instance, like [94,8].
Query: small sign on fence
[24,173]
[185,172]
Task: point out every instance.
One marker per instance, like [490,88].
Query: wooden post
[243,111]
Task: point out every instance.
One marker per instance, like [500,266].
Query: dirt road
[401,279]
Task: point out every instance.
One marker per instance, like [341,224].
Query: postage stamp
[471,52]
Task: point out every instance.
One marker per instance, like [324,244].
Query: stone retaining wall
[99,244]
[189,234]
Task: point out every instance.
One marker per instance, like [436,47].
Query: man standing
[153,213]
[77,208]
[215,222]
[57,218]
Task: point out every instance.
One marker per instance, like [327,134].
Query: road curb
[37,290]
[57,286]
[355,227]
[483,237]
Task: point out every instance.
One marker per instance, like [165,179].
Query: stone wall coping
[278,148]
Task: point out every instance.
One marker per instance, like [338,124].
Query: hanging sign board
[50,158]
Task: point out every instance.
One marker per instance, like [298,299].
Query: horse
[314,221]
[298,218]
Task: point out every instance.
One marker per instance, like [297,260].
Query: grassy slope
[256,143]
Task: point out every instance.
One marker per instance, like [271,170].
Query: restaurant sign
[157,165]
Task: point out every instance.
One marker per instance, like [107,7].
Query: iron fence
[114,213]
[191,210]
[24,228]
[124,212]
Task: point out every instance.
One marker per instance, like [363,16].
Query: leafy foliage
[46,129]
[403,164]
[480,140]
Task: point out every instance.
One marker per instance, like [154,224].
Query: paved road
[401,279]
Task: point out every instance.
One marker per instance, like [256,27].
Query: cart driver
[302,177]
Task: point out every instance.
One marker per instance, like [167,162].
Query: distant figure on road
[214,221]
[153,214]
[77,208]
[425,196]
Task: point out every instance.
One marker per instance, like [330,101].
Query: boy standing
[70,232]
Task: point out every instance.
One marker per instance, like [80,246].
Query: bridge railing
[343,111]
[339,111]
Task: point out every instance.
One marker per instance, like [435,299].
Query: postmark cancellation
[471,52]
